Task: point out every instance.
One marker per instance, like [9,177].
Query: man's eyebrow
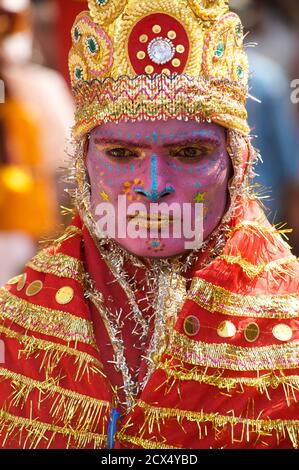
[147,145]
[194,140]
[123,143]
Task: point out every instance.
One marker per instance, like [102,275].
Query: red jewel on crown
[158,44]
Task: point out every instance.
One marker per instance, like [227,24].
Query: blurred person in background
[273,120]
[34,124]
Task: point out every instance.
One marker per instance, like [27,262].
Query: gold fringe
[53,354]
[58,264]
[65,407]
[155,415]
[68,233]
[36,433]
[228,356]
[273,233]
[144,443]
[279,266]
[45,320]
[264,383]
[217,299]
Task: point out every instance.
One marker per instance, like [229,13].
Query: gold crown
[158,59]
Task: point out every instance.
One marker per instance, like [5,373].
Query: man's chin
[154,249]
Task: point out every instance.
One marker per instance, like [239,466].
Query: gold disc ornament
[226,329]
[191,325]
[22,282]
[252,332]
[64,295]
[282,332]
[34,288]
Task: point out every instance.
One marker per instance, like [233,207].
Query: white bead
[161,50]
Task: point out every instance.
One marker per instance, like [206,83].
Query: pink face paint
[169,162]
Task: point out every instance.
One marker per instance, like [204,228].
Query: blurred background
[37,115]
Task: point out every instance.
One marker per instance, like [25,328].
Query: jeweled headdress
[158,59]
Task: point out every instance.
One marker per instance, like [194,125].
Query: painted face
[182,164]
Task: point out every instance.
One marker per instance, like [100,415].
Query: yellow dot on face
[171,34]
[143,38]
[180,48]
[140,55]
[149,69]
[157,29]
[167,71]
[176,62]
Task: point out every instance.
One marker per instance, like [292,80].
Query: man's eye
[120,153]
[190,152]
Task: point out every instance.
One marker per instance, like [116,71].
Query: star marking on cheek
[200,197]
[127,189]
[105,196]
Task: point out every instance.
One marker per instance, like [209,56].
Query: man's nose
[156,186]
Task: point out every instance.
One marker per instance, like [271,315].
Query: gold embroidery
[227,356]
[54,352]
[66,407]
[45,320]
[216,299]
[58,264]
[36,432]
[155,415]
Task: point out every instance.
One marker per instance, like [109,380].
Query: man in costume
[130,343]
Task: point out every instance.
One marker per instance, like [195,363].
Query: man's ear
[86,147]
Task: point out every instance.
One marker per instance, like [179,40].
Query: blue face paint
[132,168]
[154,195]
[154,173]
[155,137]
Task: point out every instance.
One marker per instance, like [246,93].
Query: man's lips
[152,219]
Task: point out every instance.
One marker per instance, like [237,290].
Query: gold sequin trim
[216,299]
[45,320]
[36,432]
[227,356]
[54,352]
[58,264]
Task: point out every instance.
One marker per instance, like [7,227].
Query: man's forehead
[148,132]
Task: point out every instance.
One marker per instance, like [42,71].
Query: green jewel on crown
[239,30]
[219,52]
[240,72]
[102,3]
[77,34]
[92,45]
[78,73]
